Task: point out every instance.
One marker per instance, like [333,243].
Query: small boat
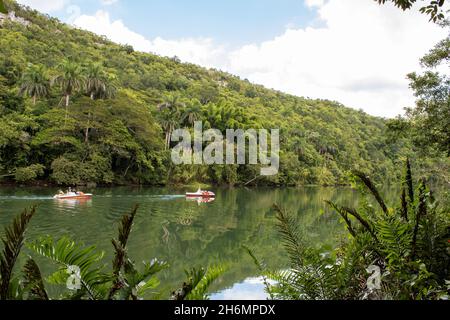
[200,200]
[201,194]
[73,196]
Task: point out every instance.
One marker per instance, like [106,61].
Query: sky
[352,51]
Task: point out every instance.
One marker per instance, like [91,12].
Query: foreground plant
[392,253]
[12,244]
[80,270]
[81,273]
[198,283]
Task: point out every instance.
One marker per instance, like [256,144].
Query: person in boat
[61,193]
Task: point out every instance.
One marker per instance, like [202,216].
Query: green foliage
[33,281]
[12,244]
[2,7]
[411,252]
[426,126]
[66,253]
[29,173]
[198,283]
[122,106]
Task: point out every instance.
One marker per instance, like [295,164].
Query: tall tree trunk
[86,132]
[67,107]
[167,140]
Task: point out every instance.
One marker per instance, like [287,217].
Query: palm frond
[137,283]
[67,253]
[12,242]
[33,281]
[120,250]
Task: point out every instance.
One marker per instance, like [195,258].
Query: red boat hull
[202,195]
[83,197]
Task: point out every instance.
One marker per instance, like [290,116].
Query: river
[185,233]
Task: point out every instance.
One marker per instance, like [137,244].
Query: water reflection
[249,289]
[200,200]
[185,233]
[72,203]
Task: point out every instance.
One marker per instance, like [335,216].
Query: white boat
[73,196]
[201,194]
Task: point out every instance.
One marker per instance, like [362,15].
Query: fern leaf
[288,228]
[12,242]
[120,250]
[199,292]
[33,281]
[368,183]
[66,253]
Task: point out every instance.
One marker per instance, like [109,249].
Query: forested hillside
[76,108]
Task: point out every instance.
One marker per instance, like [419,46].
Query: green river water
[185,233]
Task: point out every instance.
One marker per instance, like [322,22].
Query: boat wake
[32,198]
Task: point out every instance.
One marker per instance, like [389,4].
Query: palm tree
[192,112]
[35,83]
[70,80]
[98,86]
[170,110]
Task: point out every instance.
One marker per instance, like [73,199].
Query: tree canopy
[109,113]
[433,8]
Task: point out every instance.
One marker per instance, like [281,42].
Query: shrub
[29,173]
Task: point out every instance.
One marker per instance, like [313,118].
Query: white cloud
[108,2]
[201,51]
[114,30]
[359,59]
[314,3]
[45,5]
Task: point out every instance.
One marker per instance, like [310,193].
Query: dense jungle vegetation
[76,108]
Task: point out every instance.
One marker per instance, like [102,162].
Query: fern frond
[409,181]
[395,238]
[368,183]
[194,276]
[344,212]
[344,215]
[262,268]
[404,205]
[421,212]
[33,281]
[12,242]
[199,292]
[120,250]
[198,283]
[290,234]
[137,283]
[67,253]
